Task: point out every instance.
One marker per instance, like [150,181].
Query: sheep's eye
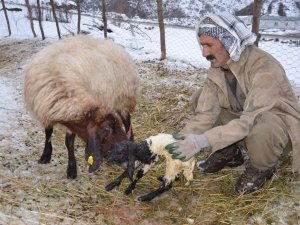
[150,142]
[107,129]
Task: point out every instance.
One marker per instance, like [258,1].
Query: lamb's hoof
[110,186]
[145,198]
[128,191]
[160,178]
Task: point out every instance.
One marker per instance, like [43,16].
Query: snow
[141,40]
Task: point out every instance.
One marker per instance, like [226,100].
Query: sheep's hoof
[44,160]
[71,172]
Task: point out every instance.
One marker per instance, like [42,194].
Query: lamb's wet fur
[141,157]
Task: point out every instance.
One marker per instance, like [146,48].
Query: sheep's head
[101,138]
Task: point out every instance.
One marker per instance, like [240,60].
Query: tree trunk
[79,16]
[55,18]
[104,18]
[6,17]
[256,19]
[161,29]
[40,18]
[30,17]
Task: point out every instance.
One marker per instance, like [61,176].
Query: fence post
[79,16]
[256,19]
[161,29]
[30,17]
[40,18]
[104,18]
[6,17]
[55,18]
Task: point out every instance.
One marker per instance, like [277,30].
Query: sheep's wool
[74,75]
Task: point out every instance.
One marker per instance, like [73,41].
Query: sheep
[88,85]
[144,155]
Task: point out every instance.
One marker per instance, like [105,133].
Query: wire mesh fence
[142,38]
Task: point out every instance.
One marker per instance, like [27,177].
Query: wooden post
[161,29]
[55,18]
[40,19]
[104,18]
[256,19]
[6,17]
[30,17]
[79,16]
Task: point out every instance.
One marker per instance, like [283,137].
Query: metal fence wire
[283,45]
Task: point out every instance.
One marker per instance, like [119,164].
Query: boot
[231,156]
[253,179]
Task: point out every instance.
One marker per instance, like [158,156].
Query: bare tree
[6,17]
[40,18]
[55,18]
[161,29]
[256,19]
[79,16]
[104,18]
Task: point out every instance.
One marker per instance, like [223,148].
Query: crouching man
[246,101]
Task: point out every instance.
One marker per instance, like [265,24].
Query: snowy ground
[21,141]
[23,196]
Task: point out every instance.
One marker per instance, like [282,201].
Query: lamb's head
[127,154]
[102,135]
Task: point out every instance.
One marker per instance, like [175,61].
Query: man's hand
[187,146]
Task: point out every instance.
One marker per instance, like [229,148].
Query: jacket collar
[237,68]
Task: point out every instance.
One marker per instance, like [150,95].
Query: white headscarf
[231,31]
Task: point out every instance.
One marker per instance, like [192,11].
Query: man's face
[214,51]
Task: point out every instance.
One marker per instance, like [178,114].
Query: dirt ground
[31,193]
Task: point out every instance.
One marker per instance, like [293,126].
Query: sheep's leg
[46,156]
[116,182]
[163,188]
[72,168]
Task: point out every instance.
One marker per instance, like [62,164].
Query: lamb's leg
[69,142]
[131,186]
[163,188]
[46,156]
[116,182]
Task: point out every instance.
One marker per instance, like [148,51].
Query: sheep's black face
[101,138]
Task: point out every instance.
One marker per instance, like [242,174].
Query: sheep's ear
[93,153]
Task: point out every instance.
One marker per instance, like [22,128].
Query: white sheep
[145,154]
[90,86]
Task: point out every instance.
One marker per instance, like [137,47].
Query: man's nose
[205,52]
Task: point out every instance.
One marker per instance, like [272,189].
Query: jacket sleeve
[265,91]
[206,112]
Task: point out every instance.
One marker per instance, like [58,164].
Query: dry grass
[209,200]
[49,197]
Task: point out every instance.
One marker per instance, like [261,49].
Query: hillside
[146,9]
